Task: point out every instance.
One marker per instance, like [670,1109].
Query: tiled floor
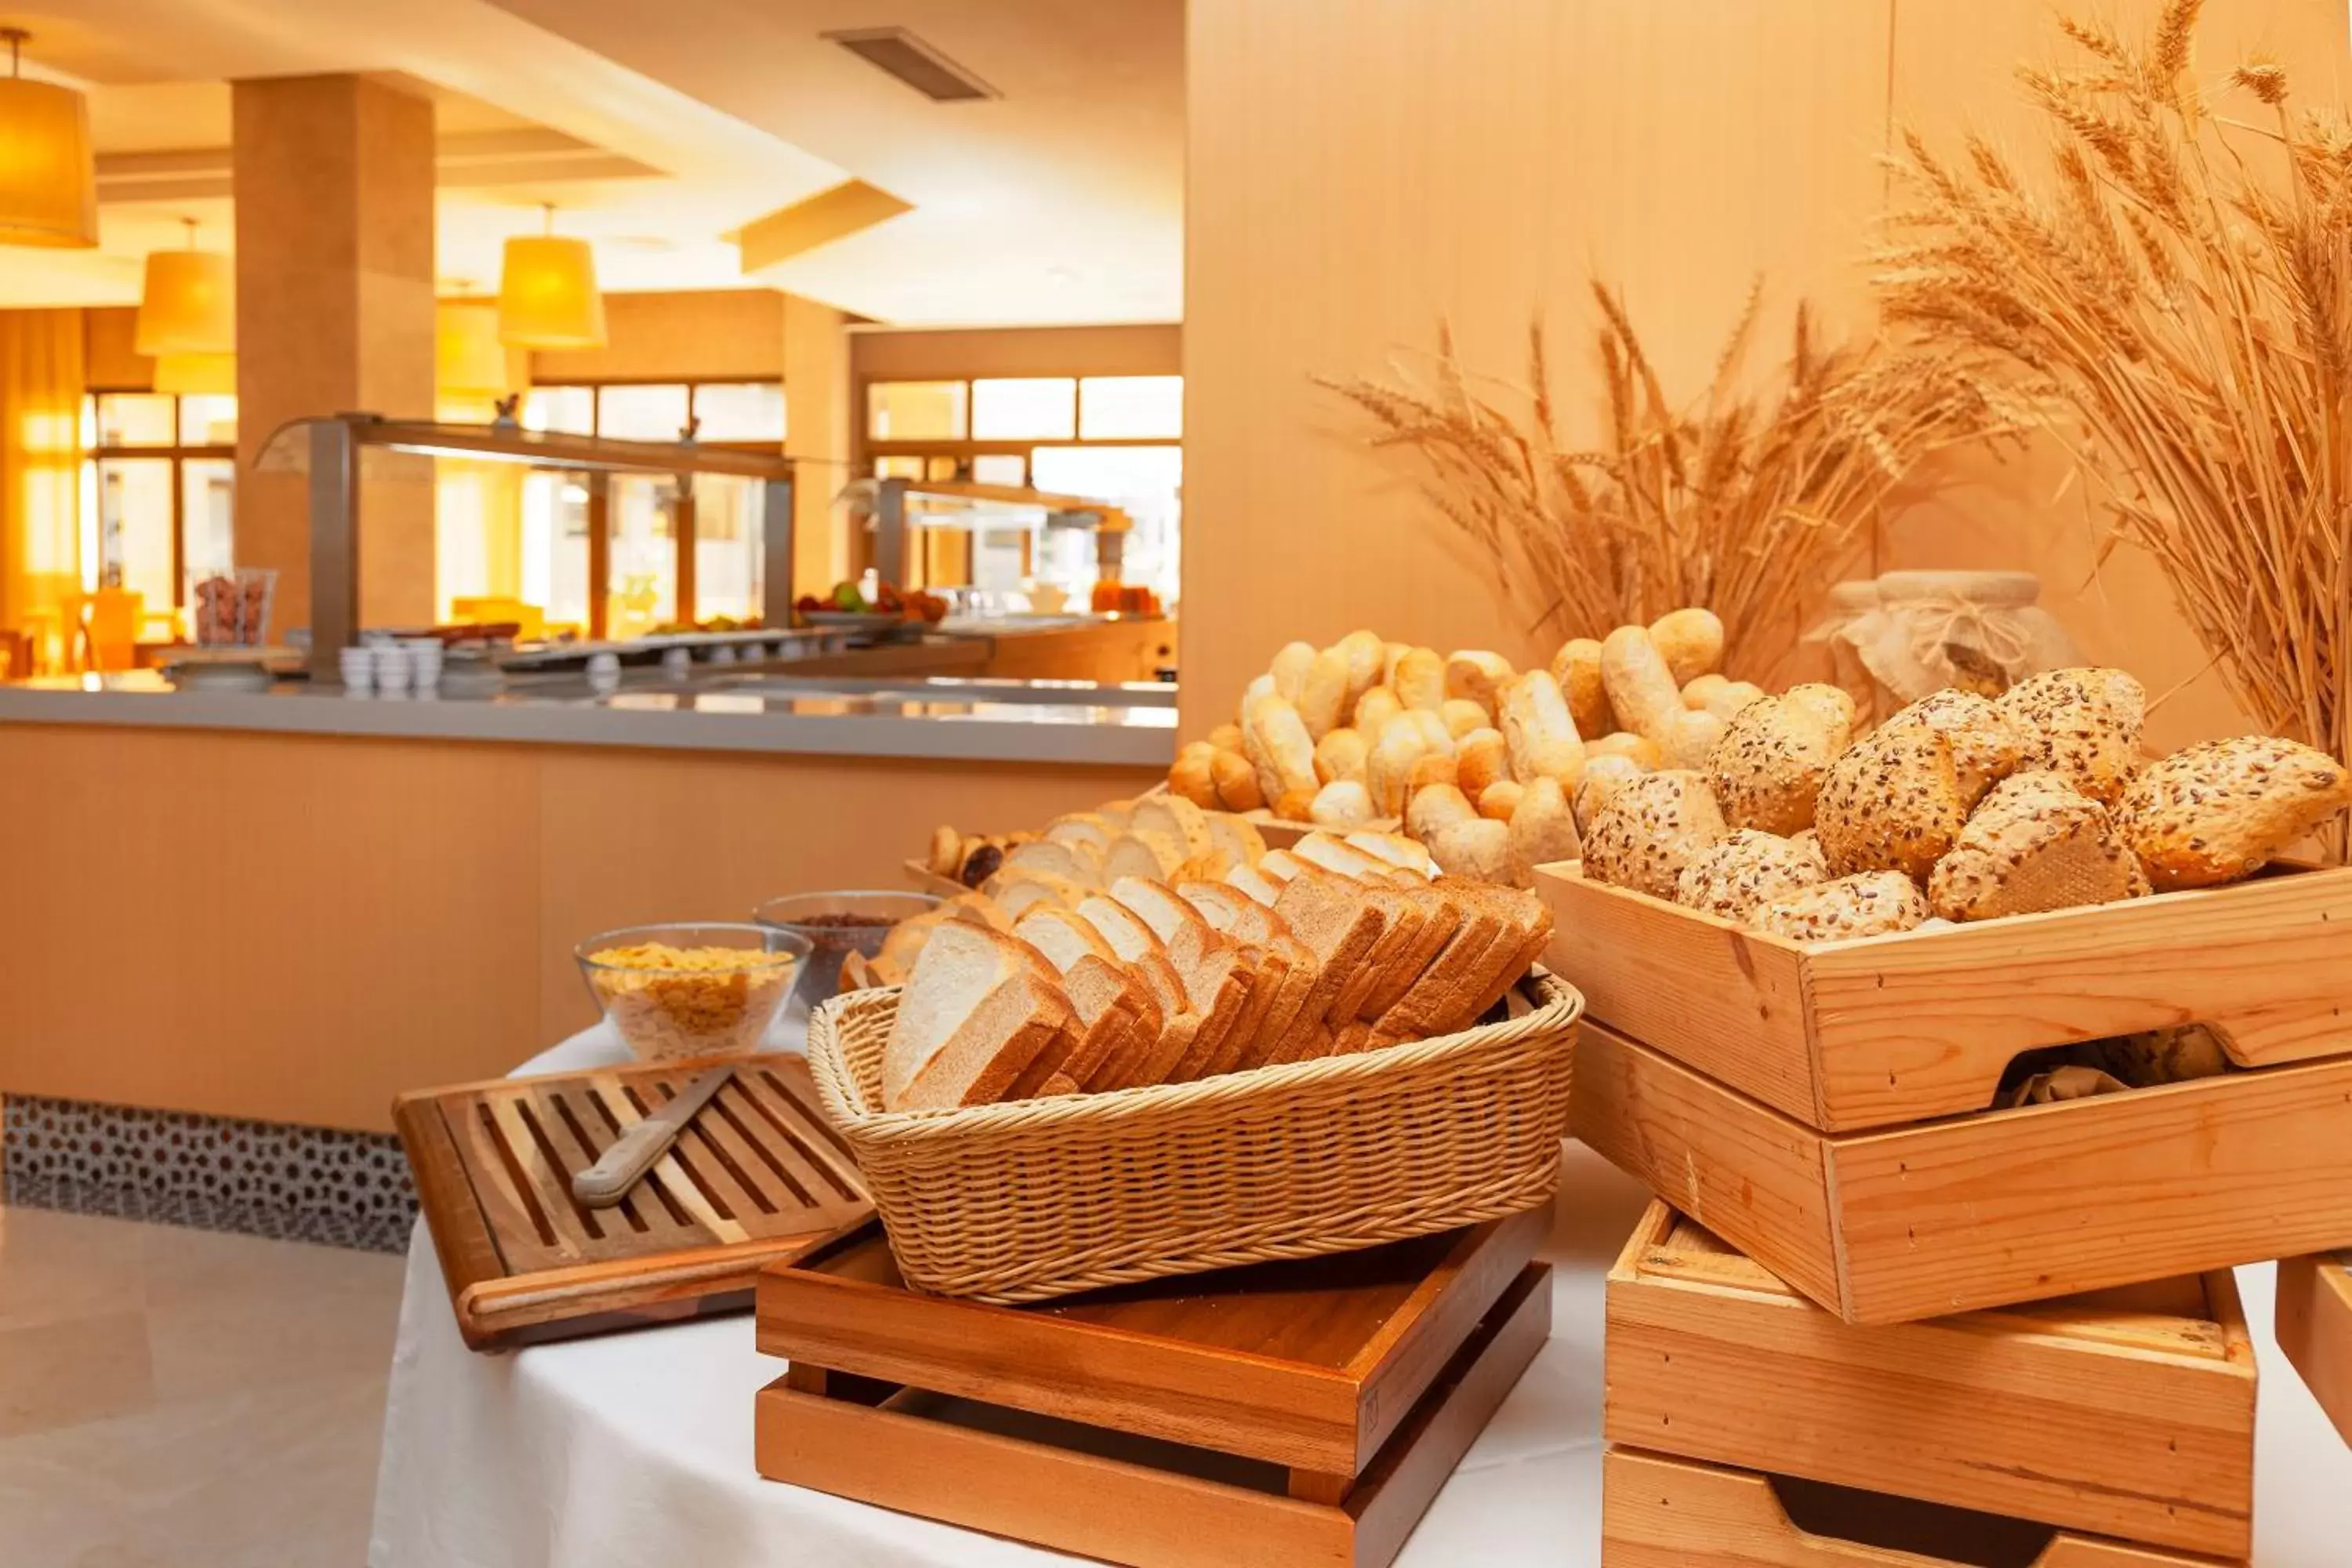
[183,1397]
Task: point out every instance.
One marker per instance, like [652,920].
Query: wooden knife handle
[633,1153]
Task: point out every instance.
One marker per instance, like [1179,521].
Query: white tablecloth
[635,1448]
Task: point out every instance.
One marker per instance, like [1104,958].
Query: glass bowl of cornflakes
[672,990]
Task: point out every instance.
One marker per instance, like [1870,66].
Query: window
[916,410]
[1037,408]
[1122,407]
[642,413]
[159,487]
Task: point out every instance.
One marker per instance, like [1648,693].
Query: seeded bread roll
[1769,767]
[1577,668]
[1731,878]
[1987,744]
[1652,827]
[1603,777]
[2033,845]
[1691,641]
[2083,724]
[2223,809]
[1872,904]
[1891,802]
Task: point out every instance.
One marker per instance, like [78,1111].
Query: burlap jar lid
[1992,590]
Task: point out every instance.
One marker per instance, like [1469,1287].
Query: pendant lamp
[547,293]
[48,172]
[197,375]
[189,305]
[470,362]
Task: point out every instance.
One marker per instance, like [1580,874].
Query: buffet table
[613,1452]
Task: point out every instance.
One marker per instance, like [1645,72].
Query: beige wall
[894,355]
[712,334]
[1356,171]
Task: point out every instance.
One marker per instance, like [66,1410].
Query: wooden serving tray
[1660,1513]
[756,1177]
[2313,1319]
[1985,1210]
[1888,1030]
[1301,1412]
[2127,1413]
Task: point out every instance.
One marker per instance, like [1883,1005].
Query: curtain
[41,376]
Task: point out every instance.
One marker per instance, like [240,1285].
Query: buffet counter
[292,905]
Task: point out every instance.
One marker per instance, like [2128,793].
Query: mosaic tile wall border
[175,1167]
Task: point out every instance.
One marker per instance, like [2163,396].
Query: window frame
[177,452]
[963,450]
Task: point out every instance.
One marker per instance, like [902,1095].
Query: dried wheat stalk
[1741,504]
[2178,300]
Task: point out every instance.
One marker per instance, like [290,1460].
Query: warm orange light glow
[469,362]
[48,174]
[189,306]
[197,374]
[547,294]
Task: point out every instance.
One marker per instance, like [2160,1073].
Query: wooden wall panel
[712,334]
[109,359]
[890,354]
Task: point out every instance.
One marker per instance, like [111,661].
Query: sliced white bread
[1178,820]
[978,906]
[1017,892]
[1334,853]
[1395,849]
[1083,829]
[1504,933]
[1286,976]
[1218,974]
[1339,925]
[1154,857]
[1254,884]
[1118,814]
[1047,858]
[1136,945]
[1279,865]
[979,1008]
[1237,837]
[1403,959]
[1116,1010]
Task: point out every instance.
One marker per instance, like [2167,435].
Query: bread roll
[1433,768]
[1872,904]
[1364,655]
[947,851]
[1987,744]
[1343,803]
[1322,699]
[1462,716]
[1891,802]
[1390,653]
[1500,799]
[1374,709]
[1279,748]
[1652,827]
[2083,724]
[1577,668]
[1722,697]
[1431,725]
[1767,769]
[2223,809]
[1479,759]
[1237,781]
[1474,675]
[1730,879]
[2033,845]
[1642,693]
[1538,735]
[1226,737]
[1193,775]
[1543,829]
[1696,691]
[1691,642]
[1640,749]
[1435,809]
[1420,679]
[1296,804]
[1479,848]
[1289,670]
[1690,739]
[1603,777]
[1341,754]
[1260,685]
[1390,769]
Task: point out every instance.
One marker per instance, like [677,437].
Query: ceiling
[661,129]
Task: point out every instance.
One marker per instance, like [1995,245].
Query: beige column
[821,419]
[335,313]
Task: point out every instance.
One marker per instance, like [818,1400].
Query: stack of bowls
[390,661]
[359,670]
[424,656]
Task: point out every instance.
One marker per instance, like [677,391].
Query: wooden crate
[2313,1319]
[1660,1513]
[1290,1412]
[756,1177]
[1986,1210]
[2127,1413]
[1889,1030]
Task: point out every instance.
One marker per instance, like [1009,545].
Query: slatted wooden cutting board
[756,1178]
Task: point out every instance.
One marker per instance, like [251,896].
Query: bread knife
[635,1152]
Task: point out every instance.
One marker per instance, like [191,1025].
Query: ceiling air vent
[914,62]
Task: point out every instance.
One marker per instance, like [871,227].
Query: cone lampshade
[197,374]
[469,360]
[49,173]
[547,294]
[189,306]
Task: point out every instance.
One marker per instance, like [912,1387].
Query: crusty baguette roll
[1260,685]
[2084,723]
[1891,802]
[1462,717]
[1322,699]
[1420,679]
[1642,691]
[1289,670]
[2223,809]
[1341,754]
[1280,749]
[1720,695]
[1237,781]
[1500,800]
[1475,675]
[2034,844]
[1689,739]
[1543,829]
[1638,749]
[1538,735]
[1603,777]
[1226,737]
[1295,804]
[1650,830]
[1987,744]
[1435,735]
[979,1008]
[1365,656]
[1437,807]
[1480,758]
[1768,768]
[1193,773]
[1479,848]
[1750,868]
[1577,668]
[1374,709]
[1391,654]
[1691,641]
[1342,804]
[1873,903]
[1697,691]
[1388,771]
[1433,768]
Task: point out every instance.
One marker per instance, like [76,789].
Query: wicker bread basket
[1045,1197]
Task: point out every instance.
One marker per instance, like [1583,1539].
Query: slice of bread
[1083,829]
[1287,969]
[1082,865]
[1154,857]
[1254,884]
[1181,823]
[1278,865]
[1339,925]
[1334,853]
[1395,849]
[1134,942]
[1506,930]
[1017,892]
[1407,960]
[1237,837]
[1113,1001]
[979,1008]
